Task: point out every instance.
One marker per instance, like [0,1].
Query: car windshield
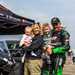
[2,45]
[13,44]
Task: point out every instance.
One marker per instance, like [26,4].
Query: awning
[11,23]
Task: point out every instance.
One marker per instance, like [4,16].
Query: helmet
[55,21]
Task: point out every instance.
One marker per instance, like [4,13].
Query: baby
[26,40]
[27,37]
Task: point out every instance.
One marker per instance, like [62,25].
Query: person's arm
[65,47]
[35,44]
[22,41]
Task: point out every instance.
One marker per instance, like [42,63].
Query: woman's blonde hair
[33,26]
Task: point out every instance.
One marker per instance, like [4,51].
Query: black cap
[55,21]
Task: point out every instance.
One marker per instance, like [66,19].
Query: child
[26,39]
[47,39]
[47,49]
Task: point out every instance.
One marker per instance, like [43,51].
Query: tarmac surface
[69,68]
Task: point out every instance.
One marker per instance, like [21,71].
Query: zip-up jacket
[35,49]
[60,41]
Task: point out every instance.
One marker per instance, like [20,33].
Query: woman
[33,62]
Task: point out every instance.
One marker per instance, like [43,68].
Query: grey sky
[44,10]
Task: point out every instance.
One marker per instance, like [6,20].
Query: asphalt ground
[69,68]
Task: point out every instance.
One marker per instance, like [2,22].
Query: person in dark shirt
[33,61]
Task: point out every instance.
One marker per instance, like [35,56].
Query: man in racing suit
[60,45]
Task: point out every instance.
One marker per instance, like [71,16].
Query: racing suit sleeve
[65,47]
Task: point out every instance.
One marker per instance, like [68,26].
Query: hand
[27,44]
[49,50]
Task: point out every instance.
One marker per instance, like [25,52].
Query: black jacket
[35,49]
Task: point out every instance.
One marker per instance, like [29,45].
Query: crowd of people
[45,48]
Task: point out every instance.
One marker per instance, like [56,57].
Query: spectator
[47,49]
[33,61]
